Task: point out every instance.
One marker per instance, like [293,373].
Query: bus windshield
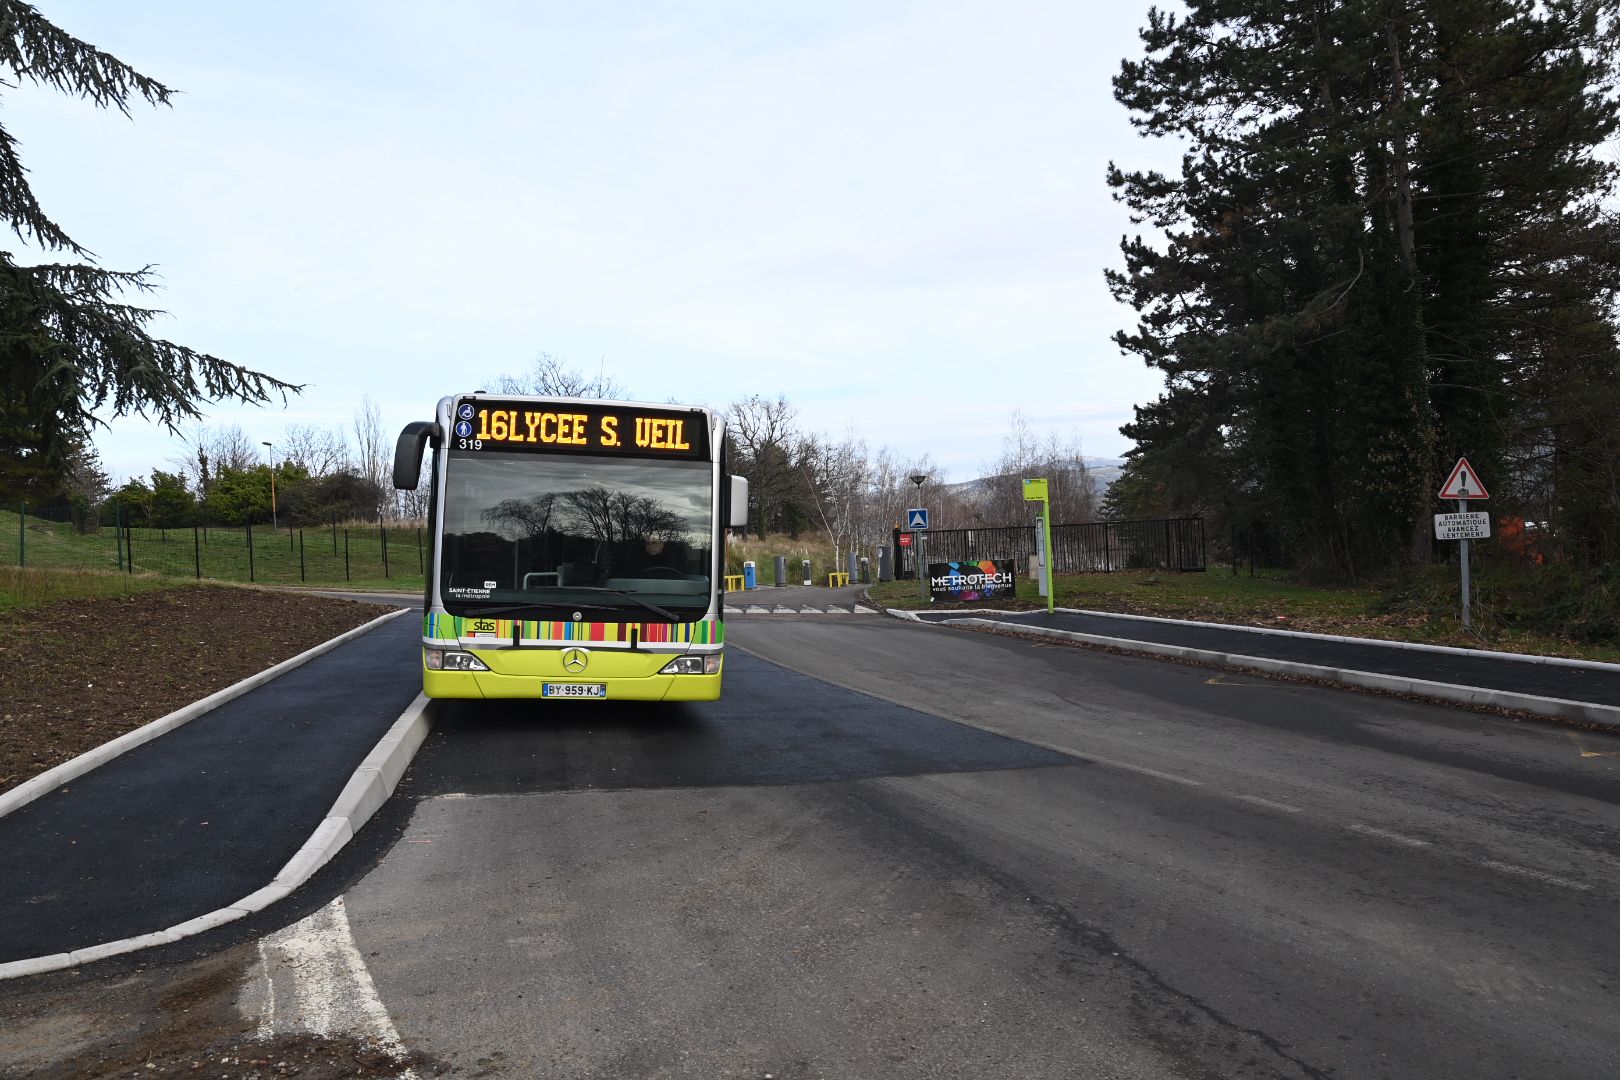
[532,536]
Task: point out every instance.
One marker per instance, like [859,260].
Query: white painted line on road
[1144,770]
[1385,834]
[1536,875]
[1268,804]
[50,780]
[316,981]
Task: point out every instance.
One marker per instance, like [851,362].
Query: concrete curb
[51,779]
[1343,639]
[1416,646]
[1604,716]
[368,788]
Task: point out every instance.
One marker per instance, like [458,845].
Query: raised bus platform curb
[1606,717]
[368,788]
[53,778]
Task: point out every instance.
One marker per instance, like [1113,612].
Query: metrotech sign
[982,580]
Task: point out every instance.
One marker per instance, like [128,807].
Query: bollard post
[806,565]
[781,571]
[866,570]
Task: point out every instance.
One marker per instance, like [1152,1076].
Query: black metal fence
[52,539]
[1176,544]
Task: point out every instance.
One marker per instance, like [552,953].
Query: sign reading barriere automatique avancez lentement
[981,580]
[580,428]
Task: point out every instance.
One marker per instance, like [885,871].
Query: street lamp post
[922,566]
[272,449]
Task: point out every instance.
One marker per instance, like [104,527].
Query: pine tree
[73,347]
[1359,273]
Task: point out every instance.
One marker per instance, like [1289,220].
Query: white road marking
[1144,770]
[1385,834]
[315,980]
[1258,801]
[1537,875]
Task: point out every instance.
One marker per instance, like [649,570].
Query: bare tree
[551,377]
[764,435]
[210,449]
[836,477]
[318,450]
[374,457]
[1027,455]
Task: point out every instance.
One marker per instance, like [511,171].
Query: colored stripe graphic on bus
[705,632]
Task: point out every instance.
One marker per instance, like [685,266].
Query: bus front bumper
[524,674]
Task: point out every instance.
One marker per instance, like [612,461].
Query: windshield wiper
[498,609]
[628,595]
[508,609]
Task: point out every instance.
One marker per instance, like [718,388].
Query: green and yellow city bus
[578,548]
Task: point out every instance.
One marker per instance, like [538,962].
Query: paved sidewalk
[1594,685]
[202,816]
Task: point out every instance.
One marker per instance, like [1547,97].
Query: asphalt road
[903,851]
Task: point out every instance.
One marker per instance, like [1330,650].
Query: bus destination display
[571,427]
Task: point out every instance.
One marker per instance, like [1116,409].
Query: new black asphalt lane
[1594,685]
[202,816]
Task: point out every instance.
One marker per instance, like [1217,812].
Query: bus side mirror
[739,502]
[408,452]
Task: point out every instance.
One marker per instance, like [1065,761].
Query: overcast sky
[892,213]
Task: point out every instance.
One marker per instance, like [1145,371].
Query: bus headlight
[707,664]
[450,660]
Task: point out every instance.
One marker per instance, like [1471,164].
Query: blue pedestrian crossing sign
[916,519]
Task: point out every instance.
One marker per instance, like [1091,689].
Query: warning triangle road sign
[1464,483]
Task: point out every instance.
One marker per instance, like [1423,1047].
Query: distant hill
[1103,472]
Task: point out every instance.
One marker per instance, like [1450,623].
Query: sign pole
[922,568]
[1037,490]
[1046,528]
[1468,623]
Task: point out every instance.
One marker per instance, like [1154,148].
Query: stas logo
[546,427]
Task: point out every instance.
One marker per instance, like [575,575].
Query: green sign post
[1036,491]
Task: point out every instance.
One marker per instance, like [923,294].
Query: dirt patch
[78,673]
[171,1021]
